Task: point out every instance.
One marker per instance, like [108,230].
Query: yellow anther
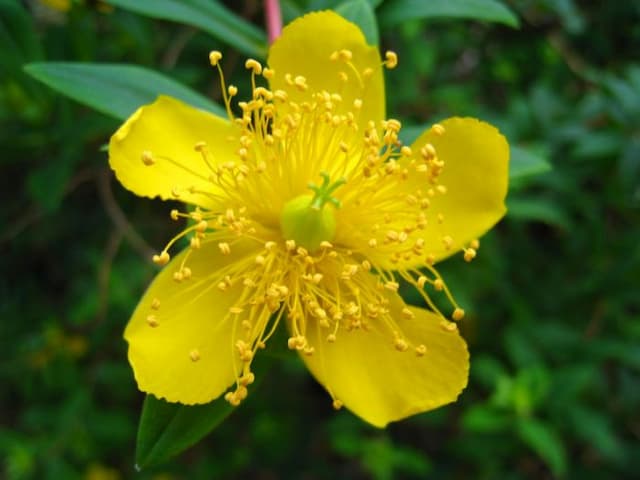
[174,214]
[421,281]
[401,344]
[469,254]
[357,104]
[438,129]
[475,244]
[147,158]
[406,151]
[448,326]
[186,273]
[373,243]
[441,189]
[290,245]
[325,244]
[430,259]
[391,59]
[331,338]
[236,310]
[202,226]
[195,243]
[268,73]
[254,65]
[337,404]
[155,304]
[408,314]
[447,242]
[260,260]
[194,355]
[393,286]
[334,56]
[428,151]
[232,90]
[161,259]
[345,55]
[280,95]
[367,72]
[301,83]
[438,284]
[214,57]
[421,350]
[247,379]
[343,77]
[177,276]
[458,314]
[152,321]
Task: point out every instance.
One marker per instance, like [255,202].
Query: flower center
[305,219]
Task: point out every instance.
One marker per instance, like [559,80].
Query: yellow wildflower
[309,213]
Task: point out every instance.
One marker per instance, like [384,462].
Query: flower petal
[169,130]
[188,356]
[476,176]
[304,49]
[364,371]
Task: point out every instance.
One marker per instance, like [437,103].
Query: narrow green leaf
[393,12]
[361,13]
[113,89]
[528,208]
[208,15]
[544,440]
[525,163]
[167,429]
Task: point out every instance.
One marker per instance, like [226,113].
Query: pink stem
[273,19]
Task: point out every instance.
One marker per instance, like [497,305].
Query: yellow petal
[181,335]
[475,180]
[476,176]
[168,130]
[380,384]
[304,49]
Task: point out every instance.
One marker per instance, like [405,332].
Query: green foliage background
[553,298]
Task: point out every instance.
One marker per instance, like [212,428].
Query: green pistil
[304,218]
[323,193]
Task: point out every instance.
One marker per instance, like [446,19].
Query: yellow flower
[309,213]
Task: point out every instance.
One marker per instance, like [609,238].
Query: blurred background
[553,299]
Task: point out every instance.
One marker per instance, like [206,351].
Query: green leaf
[393,12]
[167,429]
[544,440]
[114,89]
[361,13]
[485,419]
[530,208]
[208,15]
[524,163]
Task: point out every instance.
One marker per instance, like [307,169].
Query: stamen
[391,60]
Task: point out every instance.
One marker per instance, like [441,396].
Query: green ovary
[308,225]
